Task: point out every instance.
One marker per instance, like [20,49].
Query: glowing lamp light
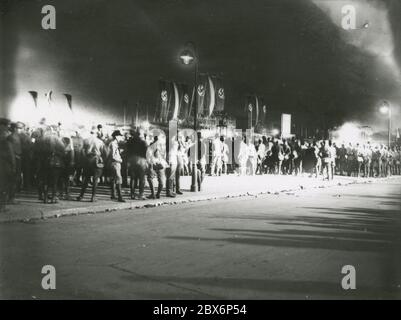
[187,57]
[275,132]
[384,109]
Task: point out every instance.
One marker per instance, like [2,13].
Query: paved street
[290,245]
[30,208]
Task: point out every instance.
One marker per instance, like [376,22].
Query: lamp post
[189,56]
[386,109]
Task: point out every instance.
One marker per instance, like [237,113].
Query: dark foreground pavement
[291,245]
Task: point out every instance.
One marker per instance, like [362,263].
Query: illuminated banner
[48,96]
[184,101]
[200,94]
[192,102]
[220,94]
[264,111]
[176,107]
[163,100]
[211,96]
[253,108]
[285,124]
[256,110]
[250,107]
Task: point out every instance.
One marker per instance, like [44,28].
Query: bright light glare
[384,109]
[186,59]
[348,132]
[145,125]
[275,132]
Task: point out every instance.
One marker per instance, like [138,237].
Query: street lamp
[386,109]
[189,56]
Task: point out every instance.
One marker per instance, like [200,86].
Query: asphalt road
[286,246]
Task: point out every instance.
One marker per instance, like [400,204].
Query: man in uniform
[137,165]
[157,166]
[333,156]
[367,164]
[115,166]
[216,152]
[383,161]
[342,159]
[15,140]
[94,154]
[7,164]
[171,172]
[54,153]
[325,156]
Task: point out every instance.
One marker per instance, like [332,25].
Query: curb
[135,205]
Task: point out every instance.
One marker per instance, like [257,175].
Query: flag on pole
[163,101]
[220,94]
[200,94]
[48,96]
[264,112]
[257,110]
[250,109]
[184,101]
[211,96]
[69,100]
[34,95]
[170,98]
[192,104]
[176,102]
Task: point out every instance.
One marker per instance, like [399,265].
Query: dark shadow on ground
[300,289]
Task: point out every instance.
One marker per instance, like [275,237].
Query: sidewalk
[29,208]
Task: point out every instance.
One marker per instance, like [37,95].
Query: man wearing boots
[94,153]
[171,171]
[116,160]
[136,155]
[157,167]
[15,140]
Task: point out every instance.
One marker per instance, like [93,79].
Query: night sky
[294,53]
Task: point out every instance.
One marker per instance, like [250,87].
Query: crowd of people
[317,158]
[47,159]
[51,161]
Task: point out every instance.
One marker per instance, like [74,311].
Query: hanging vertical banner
[48,96]
[192,102]
[170,101]
[250,110]
[211,96]
[69,100]
[176,102]
[285,124]
[220,95]
[34,95]
[184,101]
[256,110]
[264,112]
[200,94]
[163,101]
